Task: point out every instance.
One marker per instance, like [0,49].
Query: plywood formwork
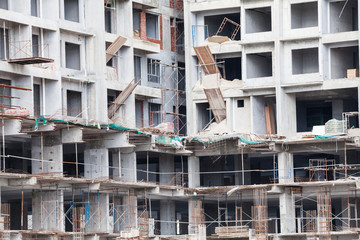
[206,59]
[114,47]
[217,103]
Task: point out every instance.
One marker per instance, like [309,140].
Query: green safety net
[113,126]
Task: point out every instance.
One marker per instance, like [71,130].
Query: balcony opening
[305,61]
[182,120]
[302,162]
[111,96]
[142,164]
[217,163]
[152,26]
[204,116]
[258,20]
[304,15]
[344,59]
[74,155]
[153,70]
[72,56]
[139,113]
[4,43]
[154,114]
[259,65]
[317,108]
[137,68]
[113,60]
[74,105]
[34,8]
[109,10]
[71,10]
[18,151]
[230,68]
[343,16]
[37,99]
[4,4]
[214,23]
[136,22]
[264,115]
[6,92]
[35,45]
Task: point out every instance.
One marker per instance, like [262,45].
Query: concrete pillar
[286,118]
[51,147]
[287,212]
[194,171]
[130,207]
[99,213]
[285,167]
[166,166]
[128,166]
[48,210]
[167,217]
[96,159]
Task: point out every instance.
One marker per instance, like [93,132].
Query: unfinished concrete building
[273,123]
[164,119]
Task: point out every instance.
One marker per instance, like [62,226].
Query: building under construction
[172,119]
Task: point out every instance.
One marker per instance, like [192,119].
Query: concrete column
[96,159]
[194,171]
[130,207]
[128,166]
[287,212]
[285,167]
[99,213]
[167,217]
[166,165]
[48,210]
[52,150]
[286,118]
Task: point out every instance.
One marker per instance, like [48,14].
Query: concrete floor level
[173,119]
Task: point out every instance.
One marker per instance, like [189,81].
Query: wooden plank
[217,103]
[114,47]
[120,100]
[206,60]
[270,119]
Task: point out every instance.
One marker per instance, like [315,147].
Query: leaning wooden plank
[216,103]
[270,119]
[120,100]
[114,47]
[206,59]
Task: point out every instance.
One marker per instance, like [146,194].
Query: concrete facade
[282,163]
